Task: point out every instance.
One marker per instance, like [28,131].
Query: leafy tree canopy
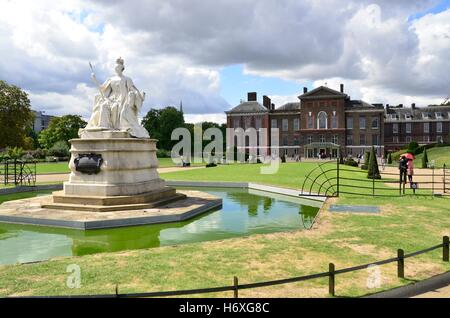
[61,129]
[161,122]
[16,117]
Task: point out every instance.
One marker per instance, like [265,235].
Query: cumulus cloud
[174,50]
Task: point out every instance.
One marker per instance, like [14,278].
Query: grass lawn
[440,155]
[52,167]
[411,223]
[62,167]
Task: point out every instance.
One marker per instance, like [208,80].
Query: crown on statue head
[120,61]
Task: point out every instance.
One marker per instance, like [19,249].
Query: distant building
[323,122]
[424,125]
[41,121]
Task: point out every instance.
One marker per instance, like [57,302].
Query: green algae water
[244,212]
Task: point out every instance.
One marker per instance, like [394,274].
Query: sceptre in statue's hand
[94,79]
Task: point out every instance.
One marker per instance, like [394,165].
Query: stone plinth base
[33,211]
[128,165]
[147,200]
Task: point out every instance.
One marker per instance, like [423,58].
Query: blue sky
[235,85]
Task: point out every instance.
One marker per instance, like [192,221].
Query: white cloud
[174,50]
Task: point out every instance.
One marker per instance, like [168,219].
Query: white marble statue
[118,104]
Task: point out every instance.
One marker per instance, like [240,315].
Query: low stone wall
[21,189]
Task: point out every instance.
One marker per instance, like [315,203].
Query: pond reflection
[244,212]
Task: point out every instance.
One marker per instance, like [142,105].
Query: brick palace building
[326,121]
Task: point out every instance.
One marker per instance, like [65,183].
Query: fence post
[445,249]
[331,281]
[401,263]
[373,184]
[236,288]
[117,290]
[443,168]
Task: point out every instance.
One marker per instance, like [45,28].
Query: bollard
[401,263]
[331,281]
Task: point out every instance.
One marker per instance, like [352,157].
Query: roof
[248,107]
[418,113]
[323,92]
[360,104]
[289,107]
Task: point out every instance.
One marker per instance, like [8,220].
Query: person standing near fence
[410,170]
[403,166]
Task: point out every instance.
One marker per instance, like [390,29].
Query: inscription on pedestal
[88,163]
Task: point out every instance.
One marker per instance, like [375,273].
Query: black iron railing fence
[18,172]
[331,274]
[331,179]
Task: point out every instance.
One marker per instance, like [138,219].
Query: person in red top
[410,170]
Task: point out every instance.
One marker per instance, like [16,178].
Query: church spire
[181,106]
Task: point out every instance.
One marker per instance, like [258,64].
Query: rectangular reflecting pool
[244,212]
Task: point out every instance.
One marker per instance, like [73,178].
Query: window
[393,116]
[440,139]
[310,121]
[349,140]
[375,123]
[285,124]
[395,128]
[408,128]
[426,128]
[334,121]
[362,122]
[426,138]
[274,123]
[335,139]
[375,140]
[438,115]
[322,120]
[395,139]
[425,116]
[296,124]
[236,123]
[349,122]
[439,127]
[296,141]
[408,116]
[285,141]
[408,139]
[258,123]
[362,139]
[309,139]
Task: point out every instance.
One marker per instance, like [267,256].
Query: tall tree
[373,171]
[15,116]
[161,122]
[61,129]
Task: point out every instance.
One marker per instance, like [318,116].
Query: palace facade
[325,122]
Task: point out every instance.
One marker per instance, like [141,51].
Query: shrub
[60,149]
[366,160]
[373,171]
[210,165]
[39,153]
[15,153]
[161,153]
[351,162]
[425,159]
[389,158]
[412,147]
[283,158]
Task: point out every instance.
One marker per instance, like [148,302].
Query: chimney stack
[400,105]
[387,106]
[305,90]
[413,105]
[252,97]
[342,88]
[272,106]
[266,102]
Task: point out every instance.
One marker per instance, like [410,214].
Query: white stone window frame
[349,120]
[439,127]
[320,117]
[296,124]
[426,128]
[395,128]
[274,120]
[408,128]
[285,124]
[362,118]
[377,120]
